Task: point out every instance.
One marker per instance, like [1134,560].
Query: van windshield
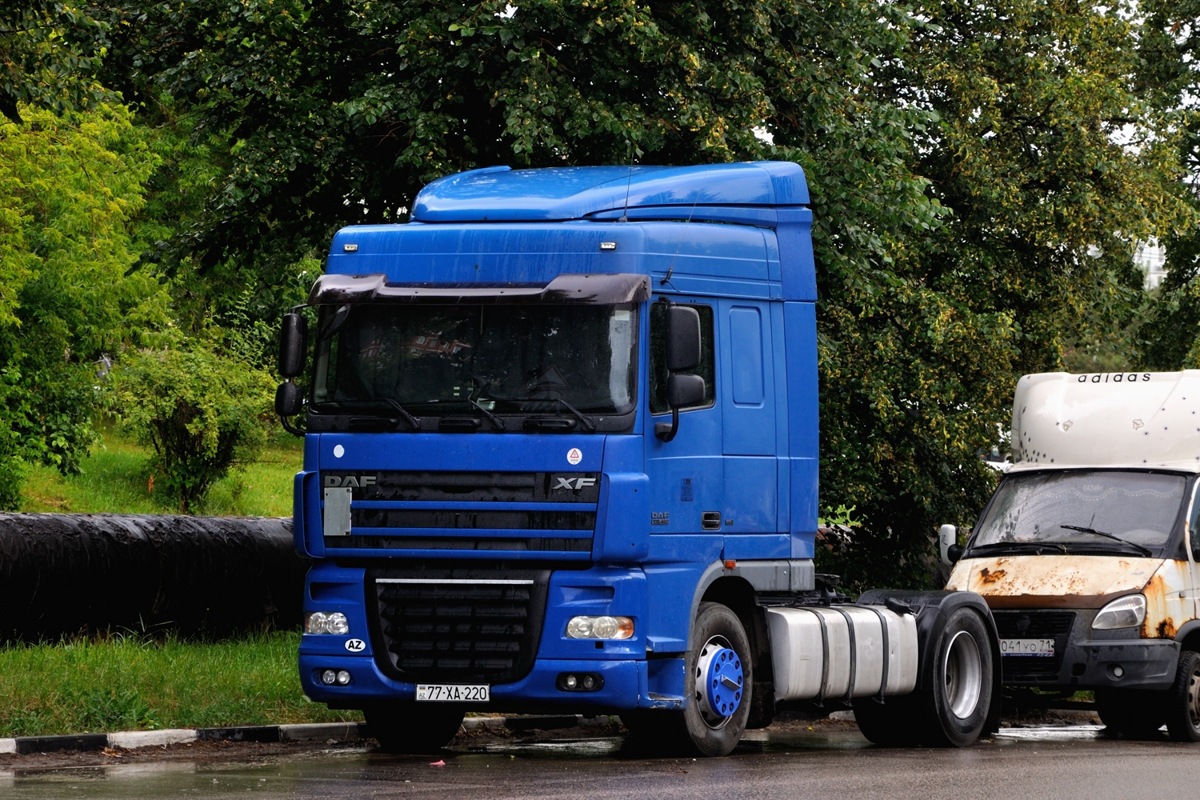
[1081,511]
[438,359]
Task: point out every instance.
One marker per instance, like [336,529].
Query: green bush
[200,411]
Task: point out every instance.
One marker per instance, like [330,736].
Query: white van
[1087,553]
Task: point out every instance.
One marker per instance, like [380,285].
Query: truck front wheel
[1183,700]
[718,684]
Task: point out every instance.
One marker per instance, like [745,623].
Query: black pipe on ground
[198,577]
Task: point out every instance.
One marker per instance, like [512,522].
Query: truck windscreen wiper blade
[1105,534]
[497,423]
[380,403]
[588,423]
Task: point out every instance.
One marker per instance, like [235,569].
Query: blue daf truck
[561,455]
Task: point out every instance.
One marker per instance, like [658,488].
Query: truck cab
[1088,551]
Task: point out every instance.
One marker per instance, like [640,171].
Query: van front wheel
[1183,700]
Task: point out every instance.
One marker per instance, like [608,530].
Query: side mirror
[683,339]
[683,354]
[685,390]
[289,400]
[948,544]
[293,344]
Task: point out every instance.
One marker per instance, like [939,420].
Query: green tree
[200,411]
[70,188]
[49,53]
[1170,337]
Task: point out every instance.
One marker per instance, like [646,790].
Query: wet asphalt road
[1030,764]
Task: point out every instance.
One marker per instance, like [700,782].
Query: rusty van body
[1088,552]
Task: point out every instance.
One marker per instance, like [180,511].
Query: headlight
[600,628]
[1124,612]
[322,622]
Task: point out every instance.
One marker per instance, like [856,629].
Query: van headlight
[1124,612]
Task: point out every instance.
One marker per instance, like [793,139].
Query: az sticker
[356,645]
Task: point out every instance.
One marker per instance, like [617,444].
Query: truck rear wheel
[958,682]
[1183,700]
[413,727]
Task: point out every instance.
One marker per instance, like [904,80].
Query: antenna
[628,185]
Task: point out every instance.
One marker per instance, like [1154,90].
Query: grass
[129,683]
[115,478]
[122,683]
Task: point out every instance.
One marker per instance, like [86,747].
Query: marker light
[1124,612]
[321,622]
[603,627]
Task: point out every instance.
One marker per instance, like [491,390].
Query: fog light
[335,677]
[580,682]
[602,627]
[322,622]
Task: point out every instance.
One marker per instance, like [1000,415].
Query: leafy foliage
[50,52]
[201,412]
[70,189]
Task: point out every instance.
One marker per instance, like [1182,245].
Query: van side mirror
[293,344]
[948,544]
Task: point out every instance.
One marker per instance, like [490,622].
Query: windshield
[1081,511]
[438,359]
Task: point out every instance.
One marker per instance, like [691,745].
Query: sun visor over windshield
[564,289]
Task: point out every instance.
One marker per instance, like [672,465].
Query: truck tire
[956,694]
[718,683]
[413,727]
[1130,713]
[1183,700]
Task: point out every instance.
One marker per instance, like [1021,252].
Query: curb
[263,734]
[132,740]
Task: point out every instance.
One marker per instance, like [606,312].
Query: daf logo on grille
[350,481]
[573,484]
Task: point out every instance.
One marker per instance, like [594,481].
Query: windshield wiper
[588,423]
[497,423]
[379,403]
[1145,551]
[1017,547]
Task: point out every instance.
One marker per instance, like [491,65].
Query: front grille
[1019,624]
[458,625]
[422,513]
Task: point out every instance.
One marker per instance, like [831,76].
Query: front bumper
[624,685]
[1084,658]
